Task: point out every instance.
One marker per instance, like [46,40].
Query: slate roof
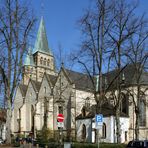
[36,85]
[107,110]
[23,89]
[51,78]
[81,81]
[128,72]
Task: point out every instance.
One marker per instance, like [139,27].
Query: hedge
[81,145]
[102,145]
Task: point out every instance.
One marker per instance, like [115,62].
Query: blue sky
[61,18]
[61,21]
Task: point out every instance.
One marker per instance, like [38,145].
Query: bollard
[37,145]
[46,146]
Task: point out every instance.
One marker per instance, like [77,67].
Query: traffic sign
[99,121]
[60,124]
[60,118]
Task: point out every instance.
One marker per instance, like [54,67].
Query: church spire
[41,43]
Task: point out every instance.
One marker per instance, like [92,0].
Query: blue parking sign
[99,120]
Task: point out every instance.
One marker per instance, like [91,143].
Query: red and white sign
[60,118]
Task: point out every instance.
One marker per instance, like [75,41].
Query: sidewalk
[22,146]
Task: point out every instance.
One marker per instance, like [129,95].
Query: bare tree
[123,27]
[137,54]
[16,23]
[107,30]
[94,25]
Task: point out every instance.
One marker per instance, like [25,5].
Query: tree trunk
[137,124]
[137,112]
[118,132]
[8,123]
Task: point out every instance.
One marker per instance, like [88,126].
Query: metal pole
[60,136]
[98,138]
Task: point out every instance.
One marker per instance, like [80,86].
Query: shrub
[45,135]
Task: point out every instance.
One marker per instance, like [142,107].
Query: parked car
[1,141]
[138,144]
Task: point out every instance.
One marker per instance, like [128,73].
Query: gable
[19,98]
[45,88]
[62,80]
[31,94]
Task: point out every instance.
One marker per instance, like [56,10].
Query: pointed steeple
[29,59]
[41,43]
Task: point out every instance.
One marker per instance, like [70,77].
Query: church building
[45,92]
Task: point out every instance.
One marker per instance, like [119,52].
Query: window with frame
[104,131]
[87,102]
[44,61]
[125,135]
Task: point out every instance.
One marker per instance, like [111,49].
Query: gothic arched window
[45,89]
[60,108]
[104,131]
[32,119]
[83,132]
[142,109]
[124,103]
[87,102]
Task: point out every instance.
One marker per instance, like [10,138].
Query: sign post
[99,123]
[60,124]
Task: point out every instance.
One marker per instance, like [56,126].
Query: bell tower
[43,57]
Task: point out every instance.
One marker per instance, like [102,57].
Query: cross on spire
[42,7]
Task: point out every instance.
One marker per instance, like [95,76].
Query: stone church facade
[44,93]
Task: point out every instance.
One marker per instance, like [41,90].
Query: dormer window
[41,60]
